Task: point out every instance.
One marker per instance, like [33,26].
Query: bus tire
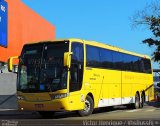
[137,101]
[89,106]
[142,100]
[46,114]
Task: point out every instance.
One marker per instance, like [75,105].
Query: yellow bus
[75,74]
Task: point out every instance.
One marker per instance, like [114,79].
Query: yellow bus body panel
[108,87]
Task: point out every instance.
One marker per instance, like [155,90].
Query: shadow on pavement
[63,115]
[15,114]
[154,104]
[60,115]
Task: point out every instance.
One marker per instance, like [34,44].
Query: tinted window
[136,64]
[93,56]
[52,72]
[128,63]
[147,66]
[76,67]
[135,61]
[106,58]
[41,67]
[77,50]
[117,60]
[141,66]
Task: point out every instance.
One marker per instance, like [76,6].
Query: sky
[105,21]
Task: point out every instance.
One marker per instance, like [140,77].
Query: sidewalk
[8,102]
[8,98]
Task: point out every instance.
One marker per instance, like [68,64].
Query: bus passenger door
[76,76]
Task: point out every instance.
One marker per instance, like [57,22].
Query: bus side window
[76,71]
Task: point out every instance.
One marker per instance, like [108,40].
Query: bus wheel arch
[91,95]
[89,105]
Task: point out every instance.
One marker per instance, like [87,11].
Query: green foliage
[158,84]
[150,17]
[154,23]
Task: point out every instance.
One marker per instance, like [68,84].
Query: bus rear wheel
[142,100]
[136,104]
[137,101]
[89,106]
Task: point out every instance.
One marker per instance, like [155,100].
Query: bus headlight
[19,97]
[58,96]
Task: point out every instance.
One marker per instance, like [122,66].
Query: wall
[24,25]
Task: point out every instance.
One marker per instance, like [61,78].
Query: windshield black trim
[30,90]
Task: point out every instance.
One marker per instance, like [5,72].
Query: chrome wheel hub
[87,106]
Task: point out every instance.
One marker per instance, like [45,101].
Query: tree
[150,17]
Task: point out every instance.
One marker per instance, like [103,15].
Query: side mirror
[10,63]
[67,59]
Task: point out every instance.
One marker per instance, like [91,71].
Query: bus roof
[93,43]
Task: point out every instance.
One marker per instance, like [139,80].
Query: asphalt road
[150,113]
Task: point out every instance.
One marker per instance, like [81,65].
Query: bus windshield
[41,67]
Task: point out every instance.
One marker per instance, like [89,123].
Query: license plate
[39,106]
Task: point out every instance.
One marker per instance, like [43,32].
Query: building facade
[19,25]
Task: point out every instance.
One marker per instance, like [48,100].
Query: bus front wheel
[88,108]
